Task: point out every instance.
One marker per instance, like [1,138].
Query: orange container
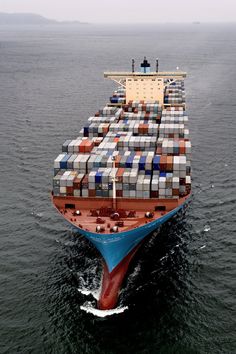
[117,162]
[145,129]
[138,153]
[181,147]
[88,146]
[163,163]
[169,165]
[119,174]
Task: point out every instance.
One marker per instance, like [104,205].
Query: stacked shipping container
[150,146]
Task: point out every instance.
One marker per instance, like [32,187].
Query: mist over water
[180,294]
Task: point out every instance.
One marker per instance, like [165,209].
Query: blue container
[97,162]
[156,163]
[98,193]
[98,177]
[63,162]
[142,162]
[148,172]
[162,174]
[105,194]
[176,148]
[129,162]
[86,131]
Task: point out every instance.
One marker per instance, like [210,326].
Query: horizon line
[193,21]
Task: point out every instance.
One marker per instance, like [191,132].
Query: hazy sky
[127,10]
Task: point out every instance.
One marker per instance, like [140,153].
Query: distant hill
[30,19]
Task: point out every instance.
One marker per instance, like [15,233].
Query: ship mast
[114,183]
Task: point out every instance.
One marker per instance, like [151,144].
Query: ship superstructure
[128,169]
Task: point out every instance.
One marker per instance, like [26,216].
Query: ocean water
[180,293]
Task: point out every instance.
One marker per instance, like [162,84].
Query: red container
[175,192]
[119,194]
[85,182]
[182,181]
[77,183]
[92,193]
[154,194]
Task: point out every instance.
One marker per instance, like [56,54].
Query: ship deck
[94,212]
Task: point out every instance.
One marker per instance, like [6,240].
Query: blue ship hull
[115,247]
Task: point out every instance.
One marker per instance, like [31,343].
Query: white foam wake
[94,293]
[89,308]
[206,228]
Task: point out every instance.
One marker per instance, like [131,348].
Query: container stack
[68,183]
[175,93]
[78,145]
[149,144]
[118,96]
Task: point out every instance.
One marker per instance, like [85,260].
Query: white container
[91,177]
[154,185]
[146,184]
[62,190]
[76,162]
[70,161]
[63,180]
[162,182]
[175,182]
[58,160]
[132,194]
[162,193]
[146,194]
[71,146]
[85,193]
[77,192]
[188,180]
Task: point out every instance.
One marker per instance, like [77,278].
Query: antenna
[133,62]
[157,65]
[114,181]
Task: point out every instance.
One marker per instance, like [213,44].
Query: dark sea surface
[181,290]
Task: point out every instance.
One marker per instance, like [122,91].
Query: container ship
[127,171]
